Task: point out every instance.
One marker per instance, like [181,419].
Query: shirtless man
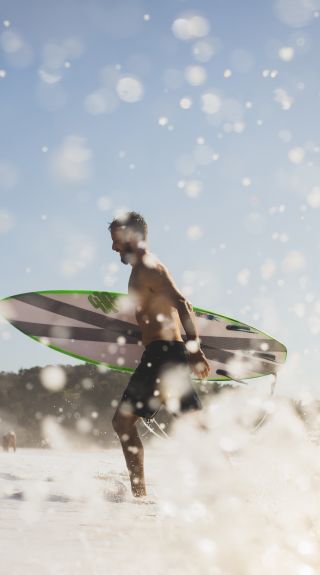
[163,375]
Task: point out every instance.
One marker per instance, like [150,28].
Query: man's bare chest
[138,286]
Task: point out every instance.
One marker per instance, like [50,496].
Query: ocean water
[233,491]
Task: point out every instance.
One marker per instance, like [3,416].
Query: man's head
[129,233]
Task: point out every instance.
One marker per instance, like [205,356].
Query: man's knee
[122,424]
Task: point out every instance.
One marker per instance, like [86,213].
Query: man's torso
[155,315]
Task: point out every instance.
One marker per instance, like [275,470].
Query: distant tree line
[83,408]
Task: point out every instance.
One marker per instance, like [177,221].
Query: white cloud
[72,162]
[204,50]
[11,41]
[17,51]
[296,13]
[80,252]
[49,77]
[101,101]
[104,203]
[56,58]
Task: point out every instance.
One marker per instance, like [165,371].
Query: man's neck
[139,255]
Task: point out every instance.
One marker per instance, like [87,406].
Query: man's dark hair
[131,220]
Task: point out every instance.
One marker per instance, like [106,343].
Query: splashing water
[239,498]
[234,490]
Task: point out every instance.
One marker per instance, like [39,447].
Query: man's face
[123,243]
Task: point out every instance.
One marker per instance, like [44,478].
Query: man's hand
[199,364]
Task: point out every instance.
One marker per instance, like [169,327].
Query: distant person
[9,440]
[163,375]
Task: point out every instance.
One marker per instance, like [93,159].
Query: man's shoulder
[152,266]
[154,272]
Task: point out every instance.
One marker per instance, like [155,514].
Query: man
[9,440]
[163,375]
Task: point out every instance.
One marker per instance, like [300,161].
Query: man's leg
[125,427]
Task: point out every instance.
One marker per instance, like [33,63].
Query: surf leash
[240,382]
[147,424]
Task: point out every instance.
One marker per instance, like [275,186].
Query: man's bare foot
[138,487]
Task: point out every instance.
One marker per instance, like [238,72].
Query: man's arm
[199,362]
[162,282]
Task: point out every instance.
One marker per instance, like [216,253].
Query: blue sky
[202,115]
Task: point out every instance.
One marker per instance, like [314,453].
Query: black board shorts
[163,377]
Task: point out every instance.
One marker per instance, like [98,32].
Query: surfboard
[100,327]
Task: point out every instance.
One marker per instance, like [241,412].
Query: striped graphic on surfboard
[100,327]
